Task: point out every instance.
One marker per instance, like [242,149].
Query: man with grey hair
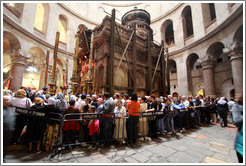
[116,98]
[94,100]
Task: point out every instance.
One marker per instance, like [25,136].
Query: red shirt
[94,127]
[133,110]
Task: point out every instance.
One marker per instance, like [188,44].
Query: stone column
[235,51]
[182,77]
[18,63]
[208,76]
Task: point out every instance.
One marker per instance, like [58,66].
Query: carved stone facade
[122,78]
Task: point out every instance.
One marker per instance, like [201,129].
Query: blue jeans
[170,124]
[160,125]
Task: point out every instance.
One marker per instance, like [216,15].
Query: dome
[136,15]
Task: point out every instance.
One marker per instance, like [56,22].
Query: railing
[56,132]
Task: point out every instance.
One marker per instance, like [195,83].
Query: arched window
[169,36]
[216,51]
[172,66]
[62,28]
[41,19]
[167,32]
[187,21]
[209,14]
[212,11]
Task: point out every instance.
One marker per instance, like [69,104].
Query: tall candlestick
[46,71]
[75,65]
[52,83]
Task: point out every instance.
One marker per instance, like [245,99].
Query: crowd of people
[129,125]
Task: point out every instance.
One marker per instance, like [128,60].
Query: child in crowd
[93,128]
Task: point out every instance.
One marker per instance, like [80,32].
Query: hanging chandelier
[32,69]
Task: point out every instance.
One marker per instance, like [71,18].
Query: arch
[37,57]
[187,21]
[10,42]
[192,63]
[167,32]
[216,51]
[41,18]
[232,93]
[172,66]
[238,36]
[32,74]
[175,94]
[63,28]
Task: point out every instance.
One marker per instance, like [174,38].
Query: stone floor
[208,144]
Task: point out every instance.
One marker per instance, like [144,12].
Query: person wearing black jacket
[94,100]
[213,111]
[192,113]
[223,111]
[54,116]
[106,123]
[160,118]
[36,125]
[197,104]
[152,106]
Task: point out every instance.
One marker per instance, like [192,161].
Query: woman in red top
[71,127]
[133,113]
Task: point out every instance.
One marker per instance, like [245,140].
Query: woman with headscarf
[42,97]
[73,97]
[36,125]
[20,100]
[52,113]
[60,101]
[223,111]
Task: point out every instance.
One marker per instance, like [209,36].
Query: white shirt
[186,103]
[230,105]
[202,103]
[81,105]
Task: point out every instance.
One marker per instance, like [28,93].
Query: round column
[208,77]
[18,63]
[235,51]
